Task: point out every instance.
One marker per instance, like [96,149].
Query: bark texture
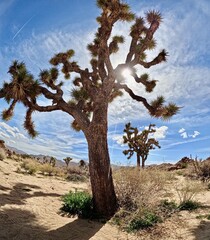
[104,197]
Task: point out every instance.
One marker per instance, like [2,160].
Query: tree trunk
[104,198]
[143,162]
[138,161]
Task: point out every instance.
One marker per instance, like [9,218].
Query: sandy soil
[29,209]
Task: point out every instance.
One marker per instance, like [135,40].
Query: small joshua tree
[139,143]
[82,164]
[52,161]
[45,159]
[67,160]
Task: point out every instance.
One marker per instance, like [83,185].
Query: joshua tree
[82,164]
[45,159]
[139,143]
[2,144]
[52,161]
[94,89]
[67,160]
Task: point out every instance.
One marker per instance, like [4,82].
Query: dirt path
[29,209]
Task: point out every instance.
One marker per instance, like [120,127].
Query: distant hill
[18,151]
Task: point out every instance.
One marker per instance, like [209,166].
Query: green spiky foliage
[67,160]
[139,142]
[94,88]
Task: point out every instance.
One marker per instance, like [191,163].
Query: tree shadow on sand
[20,192]
[202,232]
[21,224]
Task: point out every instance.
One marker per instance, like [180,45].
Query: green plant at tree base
[189,205]
[78,203]
[145,221]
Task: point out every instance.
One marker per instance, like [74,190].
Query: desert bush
[139,194]
[202,169]
[2,155]
[137,189]
[148,219]
[78,203]
[76,174]
[76,178]
[47,169]
[166,208]
[30,166]
[189,205]
[187,190]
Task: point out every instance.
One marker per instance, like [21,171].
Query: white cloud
[181,130]
[160,132]
[118,139]
[184,135]
[196,133]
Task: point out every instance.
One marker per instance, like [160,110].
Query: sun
[126,73]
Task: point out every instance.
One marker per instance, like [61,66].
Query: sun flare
[126,73]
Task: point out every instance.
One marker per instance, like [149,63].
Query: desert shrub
[76,174]
[139,194]
[166,208]
[78,203]
[147,220]
[189,205]
[76,178]
[188,190]
[202,169]
[2,155]
[136,189]
[30,166]
[47,169]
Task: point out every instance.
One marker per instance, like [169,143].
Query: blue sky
[33,31]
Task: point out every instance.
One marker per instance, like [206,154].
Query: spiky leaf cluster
[163,111]
[22,84]
[29,124]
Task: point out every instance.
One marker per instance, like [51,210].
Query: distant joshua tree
[82,164]
[2,144]
[67,160]
[45,159]
[95,87]
[52,161]
[139,143]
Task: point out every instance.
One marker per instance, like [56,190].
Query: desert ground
[29,209]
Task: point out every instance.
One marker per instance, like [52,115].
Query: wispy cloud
[54,146]
[185,142]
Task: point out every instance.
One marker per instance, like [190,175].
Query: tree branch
[136,97]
